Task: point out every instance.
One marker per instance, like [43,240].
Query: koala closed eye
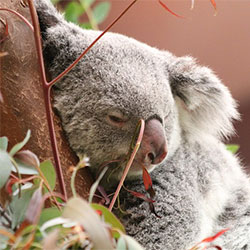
[116,119]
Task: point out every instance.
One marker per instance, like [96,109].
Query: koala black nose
[153,147]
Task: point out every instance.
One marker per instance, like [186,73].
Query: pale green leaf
[49,172]
[73,11]
[233,148]
[109,218]
[20,145]
[24,168]
[19,206]
[100,12]
[48,214]
[86,3]
[3,143]
[5,167]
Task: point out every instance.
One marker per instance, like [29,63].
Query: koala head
[119,82]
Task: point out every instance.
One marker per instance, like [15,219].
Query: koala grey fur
[200,187]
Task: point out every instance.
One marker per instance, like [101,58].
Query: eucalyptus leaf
[233,148]
[126,242]
[20,145]
[3,143]
[28,157]
[19,206]
[100,12]
[86,3]
[24,168]
[15,187]
[49,172]
[56,222]
[109,218]
[5,167]
[48,214]
[73,11]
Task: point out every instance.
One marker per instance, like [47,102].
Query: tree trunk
[23,102]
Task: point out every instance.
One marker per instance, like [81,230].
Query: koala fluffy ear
[47,14]
[204,103]
[55,32]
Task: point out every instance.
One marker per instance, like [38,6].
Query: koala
[201,188]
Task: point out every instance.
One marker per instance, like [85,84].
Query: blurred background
[220,41]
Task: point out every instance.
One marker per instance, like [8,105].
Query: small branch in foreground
[19,16]
[130,161]
[90,46]
[46,91]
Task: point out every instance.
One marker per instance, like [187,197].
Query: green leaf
[233,148]
[109,218]
[86,26]
[24,168]
[20,145]
[55,1]
[73,11]
[49,172]
[86,3]
[3,143]
[5,167]
[48,214]
[126,242]
[19,206]
[101,11]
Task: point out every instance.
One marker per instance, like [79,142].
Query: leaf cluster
[72,224]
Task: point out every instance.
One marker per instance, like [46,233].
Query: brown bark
[23,107]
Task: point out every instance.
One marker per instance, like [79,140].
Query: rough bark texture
[23,107]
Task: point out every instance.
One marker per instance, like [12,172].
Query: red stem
[90,46]
[131,159]
[51,127]
[46,91]
[38,42]
[20,16]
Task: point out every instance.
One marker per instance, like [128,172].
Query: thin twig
[47,90]
[131,159]
[20,16]
[90,46]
